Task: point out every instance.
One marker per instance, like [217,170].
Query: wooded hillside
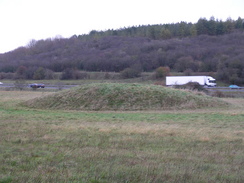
[207,46]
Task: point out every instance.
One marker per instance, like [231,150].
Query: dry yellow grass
[21,95]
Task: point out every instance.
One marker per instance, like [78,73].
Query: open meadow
[71,146]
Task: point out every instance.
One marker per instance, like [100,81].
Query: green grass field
[43,145]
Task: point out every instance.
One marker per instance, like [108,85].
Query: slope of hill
[139,47]
[124,97]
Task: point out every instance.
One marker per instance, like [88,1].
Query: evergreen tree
[201,26]
[212,26]
[239,24]
[165,33]
[220,28]
[229,25]
[182,29]
[193,30]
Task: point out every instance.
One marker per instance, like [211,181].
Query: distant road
[6,85]
[225,89]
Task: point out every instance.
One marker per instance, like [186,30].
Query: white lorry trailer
[181,80]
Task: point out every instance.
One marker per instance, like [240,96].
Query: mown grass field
[43,145]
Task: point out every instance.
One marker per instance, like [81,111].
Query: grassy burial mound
[114,96]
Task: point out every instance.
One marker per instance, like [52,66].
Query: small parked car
[1,83]
[234,87]
[37,85]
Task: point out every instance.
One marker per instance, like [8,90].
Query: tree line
[173,30]
[207,46]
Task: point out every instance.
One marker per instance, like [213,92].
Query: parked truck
[181,80]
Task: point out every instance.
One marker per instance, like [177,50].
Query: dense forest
[207,46]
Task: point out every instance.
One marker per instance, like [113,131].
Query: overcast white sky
[24,20]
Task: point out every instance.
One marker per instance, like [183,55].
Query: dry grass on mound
[111,96]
